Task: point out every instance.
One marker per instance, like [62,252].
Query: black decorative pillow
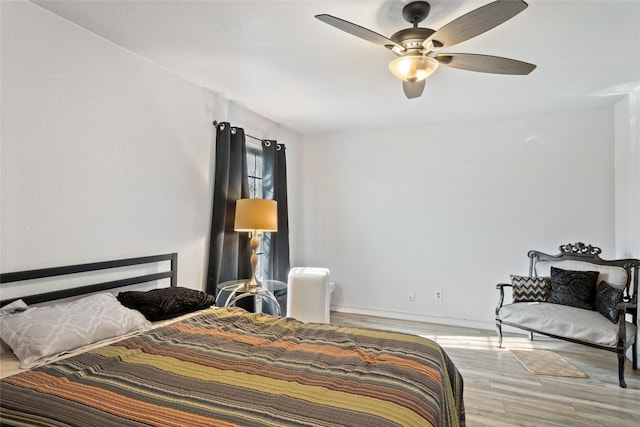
[574,288]
[165,303]
[530,289]
[607,300]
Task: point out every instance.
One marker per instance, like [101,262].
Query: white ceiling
[276,59]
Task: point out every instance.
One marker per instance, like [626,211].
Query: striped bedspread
[230,368]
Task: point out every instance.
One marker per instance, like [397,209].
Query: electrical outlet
[438,295]
[412,295]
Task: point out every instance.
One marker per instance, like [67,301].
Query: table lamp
[255,216]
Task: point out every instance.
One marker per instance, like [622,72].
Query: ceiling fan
[417,47]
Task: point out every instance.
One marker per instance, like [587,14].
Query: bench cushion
[565,321]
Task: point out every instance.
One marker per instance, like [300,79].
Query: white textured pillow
[11,308]
[39,334]
[14,307]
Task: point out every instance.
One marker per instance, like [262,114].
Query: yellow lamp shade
[256,214]
[413,68]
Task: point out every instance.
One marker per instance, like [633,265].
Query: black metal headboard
[171,273]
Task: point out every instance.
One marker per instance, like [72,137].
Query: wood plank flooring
[500,392]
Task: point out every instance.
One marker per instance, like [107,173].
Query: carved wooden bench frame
[629,305]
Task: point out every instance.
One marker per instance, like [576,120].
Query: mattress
[226,367]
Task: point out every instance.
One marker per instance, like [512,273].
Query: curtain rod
[215,123]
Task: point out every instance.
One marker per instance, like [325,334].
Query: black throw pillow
[607,300]
[574,288]
[165,303]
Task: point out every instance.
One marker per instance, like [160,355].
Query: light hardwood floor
[499,391]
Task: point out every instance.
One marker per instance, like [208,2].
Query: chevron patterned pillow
[530,289]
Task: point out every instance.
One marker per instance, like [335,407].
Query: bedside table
[237,290]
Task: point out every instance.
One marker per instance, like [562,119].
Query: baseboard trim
[390,314]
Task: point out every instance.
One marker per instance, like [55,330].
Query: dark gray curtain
[229,251]
[274,186]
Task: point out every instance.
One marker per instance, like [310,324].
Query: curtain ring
[221,126]
[279,147]
[233,131]
[267,143]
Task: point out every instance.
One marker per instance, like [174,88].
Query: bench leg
[634,356]
[621,358]
[499,329]
[530,336]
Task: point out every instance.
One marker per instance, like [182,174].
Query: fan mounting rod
[412,38]
[415,12]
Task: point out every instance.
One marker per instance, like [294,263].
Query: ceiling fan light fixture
[413,68]
[418,48]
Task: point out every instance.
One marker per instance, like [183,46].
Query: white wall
[104,155]
[627,176]
[453,207]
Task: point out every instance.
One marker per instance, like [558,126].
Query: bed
[227,367]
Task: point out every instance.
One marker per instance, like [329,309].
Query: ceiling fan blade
[485,63]
[474,23]
[413,89]
[359,31]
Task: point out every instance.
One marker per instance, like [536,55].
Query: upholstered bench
[576,296]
